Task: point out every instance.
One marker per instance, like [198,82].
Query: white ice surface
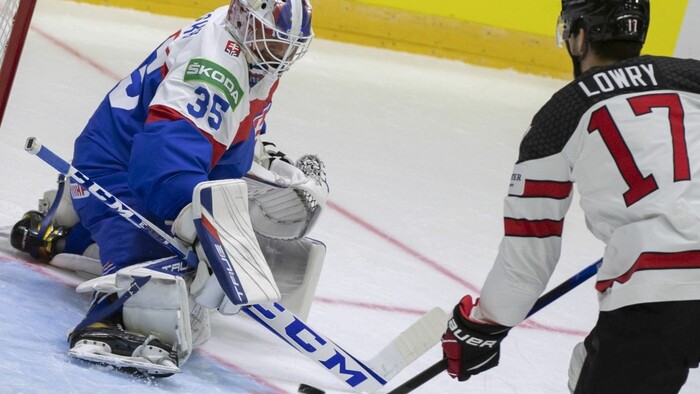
[418,151]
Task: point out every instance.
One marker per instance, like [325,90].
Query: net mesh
[8,10]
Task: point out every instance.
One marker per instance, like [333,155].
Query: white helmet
[273,33]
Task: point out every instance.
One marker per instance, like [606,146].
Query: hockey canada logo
[232,48]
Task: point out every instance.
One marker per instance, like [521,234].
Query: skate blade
[127,363]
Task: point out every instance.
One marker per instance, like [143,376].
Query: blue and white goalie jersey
[628,136]
[188,114]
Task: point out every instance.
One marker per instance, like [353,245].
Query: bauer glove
[471,346]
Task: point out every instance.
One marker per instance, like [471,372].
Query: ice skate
[28,236]
[107,343]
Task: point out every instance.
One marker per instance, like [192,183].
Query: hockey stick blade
[360,376]
[542,302]
[410,344]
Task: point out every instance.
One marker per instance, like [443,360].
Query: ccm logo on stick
[103,195]
[306,340]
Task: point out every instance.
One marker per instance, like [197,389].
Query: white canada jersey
[628,135]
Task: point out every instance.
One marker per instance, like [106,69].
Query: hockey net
[15,16]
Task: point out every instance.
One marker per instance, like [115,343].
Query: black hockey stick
[542,302]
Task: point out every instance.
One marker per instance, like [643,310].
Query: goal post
[15,16]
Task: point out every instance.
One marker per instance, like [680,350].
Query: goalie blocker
[243,274]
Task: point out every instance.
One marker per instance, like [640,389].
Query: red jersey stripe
[655,261]
[533,228]
[161,112]
[547,189]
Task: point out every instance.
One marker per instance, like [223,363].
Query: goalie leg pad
[201,327]
[161,307]
[225,233]
[296,265]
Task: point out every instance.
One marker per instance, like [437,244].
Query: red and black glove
[470,346]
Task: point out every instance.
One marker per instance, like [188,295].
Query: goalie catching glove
[285,199]
[471,346]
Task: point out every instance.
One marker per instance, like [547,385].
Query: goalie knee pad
[160,307]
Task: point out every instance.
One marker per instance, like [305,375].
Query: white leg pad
[160,308]
[201,327]
[296,266]
[85,267]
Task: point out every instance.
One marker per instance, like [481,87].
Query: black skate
[107,343]
[27,236]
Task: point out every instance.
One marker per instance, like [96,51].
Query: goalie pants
[121,243]
[642,349]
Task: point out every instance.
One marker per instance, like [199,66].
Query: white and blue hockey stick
[361,376]
[34,147]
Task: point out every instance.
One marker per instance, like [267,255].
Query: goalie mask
[273,33]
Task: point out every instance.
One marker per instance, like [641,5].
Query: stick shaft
[541,302]
[34,147]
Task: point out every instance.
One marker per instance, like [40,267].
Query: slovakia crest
[232,48]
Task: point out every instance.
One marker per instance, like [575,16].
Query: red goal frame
[15,43]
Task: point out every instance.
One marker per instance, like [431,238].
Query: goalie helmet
[273,33]
[604,20]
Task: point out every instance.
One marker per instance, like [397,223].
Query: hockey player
[627,131]
[172,141]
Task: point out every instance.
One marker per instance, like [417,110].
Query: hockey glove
[471,346]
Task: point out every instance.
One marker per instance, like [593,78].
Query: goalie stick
[361,376]
[541,302]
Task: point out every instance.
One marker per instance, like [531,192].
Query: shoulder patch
[210,73]
[517,181]
[232,48]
